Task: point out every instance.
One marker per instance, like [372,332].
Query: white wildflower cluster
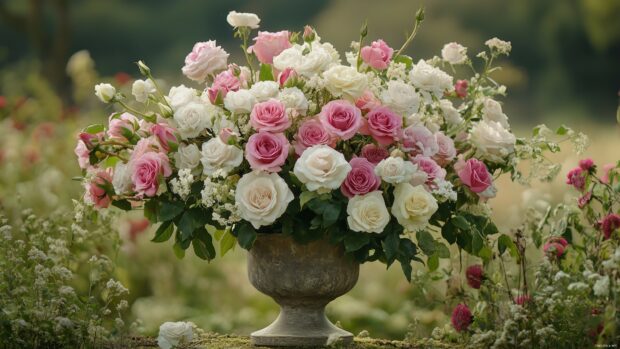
[182,185]
[220,197]
[397,71]
[444,190]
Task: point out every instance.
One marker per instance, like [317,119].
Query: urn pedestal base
[302,279]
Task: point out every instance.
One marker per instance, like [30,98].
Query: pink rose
[586,164]
[607,169]
[374,154]
[147,171]
[166,136]
[268,45]
[461,318]
[123,126]
[267,151]
[83,154]
[418,140]
[383,125]
[446,152]
[609,224]
[286,75]
[224,82]
[430,167]
[577,178]
[341,118]
[205,59]
[584,199]
[475,175]
[461,88]
[227,134]
[97,189]
[377,55]
[145,145]
[361,179]
[367,101]
[270,116]
[555,246]
[311,133]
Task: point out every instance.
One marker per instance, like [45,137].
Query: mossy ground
[218,341]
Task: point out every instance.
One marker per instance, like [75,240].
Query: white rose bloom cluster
[307,59]
[172,334]
[192,115]
[413,206]
[295,100]
[454,53]
[187,157]
[450,114]
[492,140]
[262,198]
[105,92]
[219,157]
[402,98]
[430,79]
[141,89]
[343,81]
[396,170]
[242,19]
[368,213]
[264,90]
[321,168]
[492,111]
[240,102]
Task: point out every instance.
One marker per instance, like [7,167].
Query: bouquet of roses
[377,152]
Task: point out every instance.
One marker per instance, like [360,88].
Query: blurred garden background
[564,69]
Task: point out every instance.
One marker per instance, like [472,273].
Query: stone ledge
[219,341]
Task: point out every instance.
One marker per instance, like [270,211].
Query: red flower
[474,276]
[586,164]
[522,299]
[577,178]
[122,78]
[461,88]
[461,318]
[2,102]
[609,224]
[555,246]
[584,200]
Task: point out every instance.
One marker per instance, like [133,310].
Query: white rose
[396,170]
[217,155]
[179,96]
[205,59]
[430,79]
[321,168]
[187,156]
[492,111]
[262,197]
[141,90]
[240,101]
[289,58]
[454,53]
[192,119]
[105,92]
[264,90]
[368,213]
[121,180]
[401,98]
[345,81]
[242,19]
[172,334]
[450,114]
[319,59]
[294,99]
[413,206]
[492,140]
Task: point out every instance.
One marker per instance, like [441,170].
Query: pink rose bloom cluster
[166,136]
[224,82]
[119,127]
[475,175]
[205,59]
[374,154]
[577,178]
[361,179]
[96,189]
[270,116]
[268,149]
[419,140]
[378,55]
[147,171]
[341,119]
[555,246]
[311,132]
[383,125]
[268,45]
[431,168]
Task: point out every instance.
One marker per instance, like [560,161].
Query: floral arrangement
[571,300]
[383,154]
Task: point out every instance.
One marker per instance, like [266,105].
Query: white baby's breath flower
[172,334]
[454,53]
[601,287]
[242,19]
[182,185]
[368,213]
[501,46]
[105,92]
[141,89]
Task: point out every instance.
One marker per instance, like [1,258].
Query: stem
[132,110]
[163,97]
[245,36]
[416,26]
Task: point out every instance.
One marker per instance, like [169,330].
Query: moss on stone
[219,341]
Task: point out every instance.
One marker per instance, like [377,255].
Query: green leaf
[490,228]
[124,205]
[110,161]
[163,232]
[460,222]
[476,242]
[426,242]
[178,250]
[390,246]
[94,129]
[169,210]
[203,245]
[505,242]
[306,196]
[355,241]
[151,210]
[405,264]
[408,61]
[227,242]
[331,214]
[441,250]
[191,220]
[448,232]
[485,253]
[266,73]
[562,130]
[433,262]
[246,235]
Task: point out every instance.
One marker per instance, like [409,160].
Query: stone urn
[302,279]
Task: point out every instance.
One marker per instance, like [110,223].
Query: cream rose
[141,90]
[240,101]
[428,78]
[401,98]
[191,119]
[492,140]
[264,90]
[105,92]
[492,111]
[413,206]
[217,155]
[262,198]
[179,96]
[367,213]
[396,170]
[172,334]
[294,99]
[121,180]
[321,168]
[242,19]
[345,81]
[454,53]
[187,156]
[450,114]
